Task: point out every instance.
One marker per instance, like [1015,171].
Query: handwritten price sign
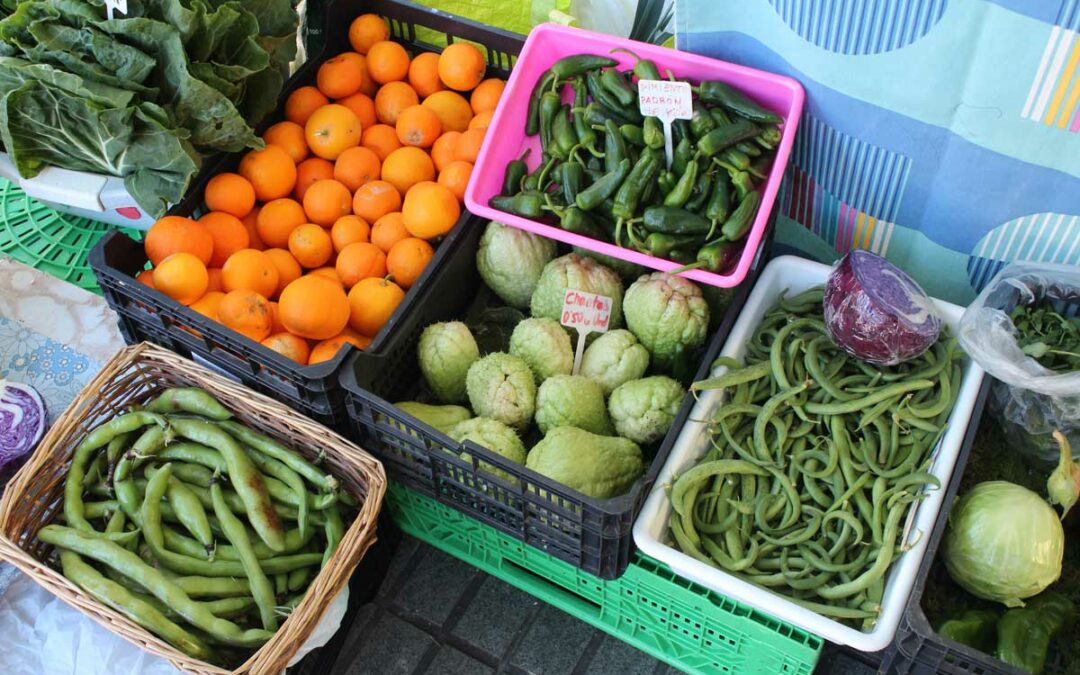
[588,313]
[667,101]
[115,6]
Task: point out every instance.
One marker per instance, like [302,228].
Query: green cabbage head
[579,273]
[1003,543]
[445,352]
[668,315]
[510,262]
[501,386]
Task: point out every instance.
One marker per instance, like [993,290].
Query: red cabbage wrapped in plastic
[876,312]
[22,420]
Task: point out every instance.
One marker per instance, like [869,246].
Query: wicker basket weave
[134,376]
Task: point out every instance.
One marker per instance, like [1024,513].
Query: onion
[22,420]
[876,312]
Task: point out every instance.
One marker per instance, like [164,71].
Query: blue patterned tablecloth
[57,371]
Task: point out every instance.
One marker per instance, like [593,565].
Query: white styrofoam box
[791,275]
[81,193]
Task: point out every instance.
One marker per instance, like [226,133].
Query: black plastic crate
[146,315]
[592,534]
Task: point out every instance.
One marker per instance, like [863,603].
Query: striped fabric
[859,27]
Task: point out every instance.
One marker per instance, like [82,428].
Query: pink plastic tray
[506,138]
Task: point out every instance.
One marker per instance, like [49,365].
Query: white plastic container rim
[791,275]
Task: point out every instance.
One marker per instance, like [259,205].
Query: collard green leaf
[14,72]
[120,60]
[260,94]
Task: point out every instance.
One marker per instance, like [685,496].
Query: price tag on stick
[668,101]
[115,5]
[588,313]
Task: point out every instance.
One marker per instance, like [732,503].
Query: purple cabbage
[22,420]
[876,312]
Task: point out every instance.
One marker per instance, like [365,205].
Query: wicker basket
[134,376]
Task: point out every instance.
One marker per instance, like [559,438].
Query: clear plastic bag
[1029,400]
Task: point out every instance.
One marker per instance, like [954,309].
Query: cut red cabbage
[22,420]
[876,312]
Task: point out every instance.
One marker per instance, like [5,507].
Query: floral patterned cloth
[55,370]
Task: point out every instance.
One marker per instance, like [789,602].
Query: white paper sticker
[667,101]
[115,5]
[588,313]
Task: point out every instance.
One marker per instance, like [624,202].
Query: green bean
[272,467]
[113,452]
[177,542]
[882,394]
[298,579]
[118,597]
[191,400]
[98,547]
[293,460]
[733,377]
[335,530]
[877,570]
[246,479]
[98,510]
[192,516]
[149,443]
[261,588]
[213,586]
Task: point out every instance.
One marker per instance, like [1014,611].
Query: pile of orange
[313,242]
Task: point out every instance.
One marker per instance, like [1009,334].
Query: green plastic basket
[649,607]
[53,242]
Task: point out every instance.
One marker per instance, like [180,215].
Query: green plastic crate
[52,242]
[649,607]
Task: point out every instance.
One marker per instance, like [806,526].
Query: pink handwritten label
[665,100]
[588,312]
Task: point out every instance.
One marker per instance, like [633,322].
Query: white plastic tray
[793,275]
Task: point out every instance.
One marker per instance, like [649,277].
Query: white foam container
[794,275]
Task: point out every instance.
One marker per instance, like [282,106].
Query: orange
[468,146]
[429,210]
[452,109]
[278,219]
[271,172]
[246,312]
[424,74]
[314,307]
[376,199]
[250,222]
[391,99]
[207,305]
[231,193]
[357,166]
[302,102]
[250,270]
[370,86]
[387,61]
[442,153]
[406,167]
[407,259]
[229,235]
[341,76]
[328,349]
[328,272]
[176,234]
[182,277]
[289,136]
[214,283]
[289,346]
[381,139]
[349,230]
[275,319]
[146,278]
[388,230]
[366,30]
[418,126]
[456,177]
[310,245]
[481,120]
[331,130]
[461,66]
[287,267]
[362,106]
[486,95]
[326,201]
[309,171]
[360,261]
[372,302]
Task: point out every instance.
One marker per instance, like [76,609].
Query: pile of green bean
[816,459]
[200,529]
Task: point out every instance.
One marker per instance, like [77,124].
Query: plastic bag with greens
[1029,400]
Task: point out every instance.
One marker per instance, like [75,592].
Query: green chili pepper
[716,257]
[601,95]
[573,219]
[680,129]
[572,66]
[525,204]
[682,154]
[700,194]
[742,183]
[702,122]
[738,224]
[712,91]
[596,115]
[666,181]
[661,244]
[769,137]
[681,255]
[680,194]
[613,81]
[572,180]
[653,133]
[976,628]
[614,146]
[629,193]
[760,166]
[532,119]
[719,206]
[550,104]
[562,133]
[585,133]
[733,160]
[719,116]
[516,170]
[673,220]
[727,135]
[643,68]
[749,149]
[633,134]
[592,196]
[1023,635]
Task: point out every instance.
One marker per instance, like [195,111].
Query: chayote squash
[445,352]
[614,358]
[668,315]
[572,401]
[598,466]
[493,435]
[545,345]
[579,273]
[501,386]
[510,262]
[442,417]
